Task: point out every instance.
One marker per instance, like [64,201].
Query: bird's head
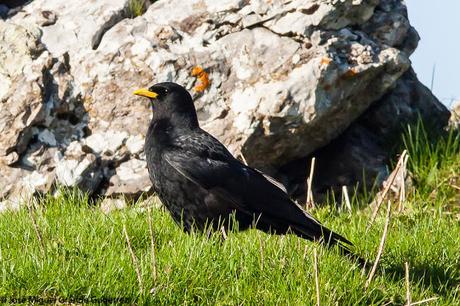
[170,101]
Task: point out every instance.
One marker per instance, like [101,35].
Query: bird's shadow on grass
[435,276]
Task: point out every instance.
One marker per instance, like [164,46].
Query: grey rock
[78,169]
[106,143]
[257,99]
[289,79]
[36,176]
[389,25]
[135,144]
[12,204]
[47,137]
[3,11]
[408,101]
[72,26]
[363,152]
[130,180]
[109,205]
[455,115]
[23,66]
[303,17]
[10,179]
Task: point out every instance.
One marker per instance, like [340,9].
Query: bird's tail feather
[332,239]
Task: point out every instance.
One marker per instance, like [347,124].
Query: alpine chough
[203,186]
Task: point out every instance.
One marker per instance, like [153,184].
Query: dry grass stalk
[261,253]
[134,259]
[441,183]
[346,198]
[36,228]
[315,259]
[425,301]
[310,203]
[381,246]
[408,296]
[243,159]
[402,185]
[152,246]
[224,233]
[382,196]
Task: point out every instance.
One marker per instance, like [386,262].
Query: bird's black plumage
[202,184]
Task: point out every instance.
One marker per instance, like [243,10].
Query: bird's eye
[161,91]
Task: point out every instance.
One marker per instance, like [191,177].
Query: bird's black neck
[165,129]
[177,120]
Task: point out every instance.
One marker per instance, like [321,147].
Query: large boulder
[271,88]
[289,79]
[362,153]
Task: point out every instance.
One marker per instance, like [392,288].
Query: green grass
[138,7]
[86,258]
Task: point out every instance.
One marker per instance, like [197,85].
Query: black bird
[202,184]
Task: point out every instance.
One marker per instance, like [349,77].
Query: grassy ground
[82,255]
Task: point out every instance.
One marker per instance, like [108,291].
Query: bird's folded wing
[211,167]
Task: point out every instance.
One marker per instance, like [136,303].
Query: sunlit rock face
[455,115]
[288,80]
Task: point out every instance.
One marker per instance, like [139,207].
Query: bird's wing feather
[199,159]
[205,161]
[273,181]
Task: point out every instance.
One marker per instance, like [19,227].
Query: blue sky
[438,24]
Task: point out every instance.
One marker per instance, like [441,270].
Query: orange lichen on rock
[325,61]
[350,73]
[202,76]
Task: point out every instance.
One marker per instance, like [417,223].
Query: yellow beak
[145,93]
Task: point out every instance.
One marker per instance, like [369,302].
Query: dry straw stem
[243,159]
[425,301]
[442,183]
[134,259]
[315,259]
[152,246]
[261,248]
[381,246]
[408,296]
[36,228]
[381,197]
[402,185]
[305,252]
[346,198]
[310,203]
[224,233]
